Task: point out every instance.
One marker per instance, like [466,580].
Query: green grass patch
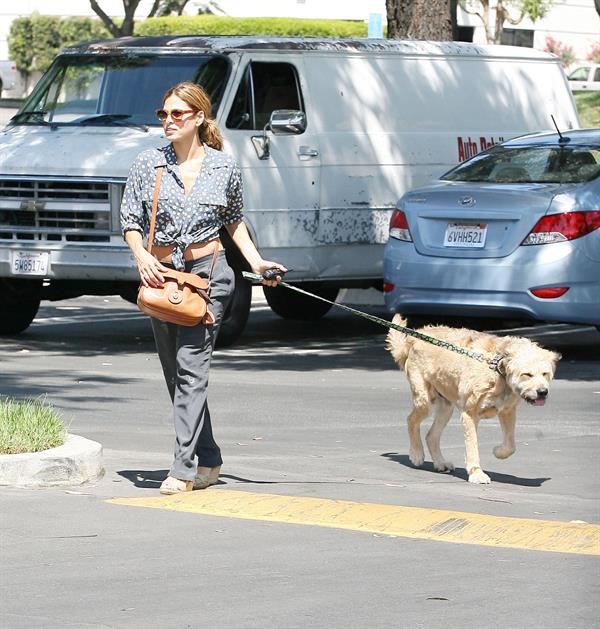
[588,106]
[29,426]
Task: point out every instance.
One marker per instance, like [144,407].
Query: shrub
[594,53]
[29,426]
[562,51]
[34,41]
[217,25]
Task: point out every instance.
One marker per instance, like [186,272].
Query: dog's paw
[443,466]
[479,477]
[500,452]
[417,458]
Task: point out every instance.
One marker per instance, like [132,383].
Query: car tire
[292,305]
[19,303]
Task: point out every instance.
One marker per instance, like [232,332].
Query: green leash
[492,361]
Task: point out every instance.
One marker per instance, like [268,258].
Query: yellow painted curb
[434,524]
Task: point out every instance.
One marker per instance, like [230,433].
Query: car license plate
[29,262]
[471,236]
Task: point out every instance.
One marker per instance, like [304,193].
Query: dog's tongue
[540,401]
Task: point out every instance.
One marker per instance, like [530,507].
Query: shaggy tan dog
[441,380]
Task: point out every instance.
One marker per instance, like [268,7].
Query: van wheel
[236,315]
[291,305]
[19,303]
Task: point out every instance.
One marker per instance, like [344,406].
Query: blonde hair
[198,99]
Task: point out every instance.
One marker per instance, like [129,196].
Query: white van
[328,133]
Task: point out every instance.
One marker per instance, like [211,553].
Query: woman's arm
[148,266]
[239,233]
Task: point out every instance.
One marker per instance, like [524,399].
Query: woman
[200,191]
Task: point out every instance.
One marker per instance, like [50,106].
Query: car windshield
[117,89]
[530,164]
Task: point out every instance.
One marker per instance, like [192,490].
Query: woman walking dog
[200,192]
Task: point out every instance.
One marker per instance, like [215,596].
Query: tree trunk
[419,19]
[128,24]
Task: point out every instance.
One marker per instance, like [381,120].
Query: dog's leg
[443,412]
[476,474]
[508,417]
[421,408]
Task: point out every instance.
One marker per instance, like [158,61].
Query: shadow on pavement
[460,472]
[108,327]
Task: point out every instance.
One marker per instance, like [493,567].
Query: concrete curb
[77,461]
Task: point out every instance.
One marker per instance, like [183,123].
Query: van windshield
[117,89]
[530,164]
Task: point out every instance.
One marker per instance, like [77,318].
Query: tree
[126,26]
[511,11]
[419,19]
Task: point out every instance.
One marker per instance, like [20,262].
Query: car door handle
[306,151]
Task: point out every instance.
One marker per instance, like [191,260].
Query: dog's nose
[542,392]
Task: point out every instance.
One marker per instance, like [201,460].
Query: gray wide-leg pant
[185,355]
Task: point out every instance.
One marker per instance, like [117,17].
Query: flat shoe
[173,485]
[202,481]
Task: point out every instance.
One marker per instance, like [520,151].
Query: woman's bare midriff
[192,252]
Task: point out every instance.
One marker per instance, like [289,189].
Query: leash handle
[493,361]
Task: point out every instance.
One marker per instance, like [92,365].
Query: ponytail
[210,134]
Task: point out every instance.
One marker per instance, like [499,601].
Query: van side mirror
[281,122]
[287,122]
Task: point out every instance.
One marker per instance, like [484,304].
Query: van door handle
[306,151]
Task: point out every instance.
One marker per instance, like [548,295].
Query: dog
[441,379]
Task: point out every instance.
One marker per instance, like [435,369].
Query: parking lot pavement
[311,420]
[6,113]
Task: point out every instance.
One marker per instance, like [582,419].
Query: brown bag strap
[157,180]
[212,264]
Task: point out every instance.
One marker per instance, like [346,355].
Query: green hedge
[34,40]
[282,27]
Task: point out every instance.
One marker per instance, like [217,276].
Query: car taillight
[399,226]
[561,227]
[549,293]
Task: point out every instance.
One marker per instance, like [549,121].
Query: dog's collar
[495,363]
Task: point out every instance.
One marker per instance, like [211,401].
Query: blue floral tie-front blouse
[214,200]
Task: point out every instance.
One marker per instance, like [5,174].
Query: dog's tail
[397,343]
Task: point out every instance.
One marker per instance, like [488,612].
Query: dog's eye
[527,375]
[546,374]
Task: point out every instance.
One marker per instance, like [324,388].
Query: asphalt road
[301,410]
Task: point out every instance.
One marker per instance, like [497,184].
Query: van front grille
[67,210]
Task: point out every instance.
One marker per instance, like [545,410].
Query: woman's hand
[264,265]
[150,269]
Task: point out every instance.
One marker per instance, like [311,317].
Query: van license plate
[471,236]
[29,262]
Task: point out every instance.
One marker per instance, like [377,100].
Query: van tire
[19,303]
[236,314]
[292,305]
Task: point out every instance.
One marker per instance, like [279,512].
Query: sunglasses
[176,114]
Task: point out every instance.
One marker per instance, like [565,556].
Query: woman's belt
[195,250]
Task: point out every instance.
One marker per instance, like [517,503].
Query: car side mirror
[281,122]
[287,122]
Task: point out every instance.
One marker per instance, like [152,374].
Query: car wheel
[19,303]
[291,305]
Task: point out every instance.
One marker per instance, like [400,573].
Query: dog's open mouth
[536,401]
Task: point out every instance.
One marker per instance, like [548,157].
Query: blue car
[512,232]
